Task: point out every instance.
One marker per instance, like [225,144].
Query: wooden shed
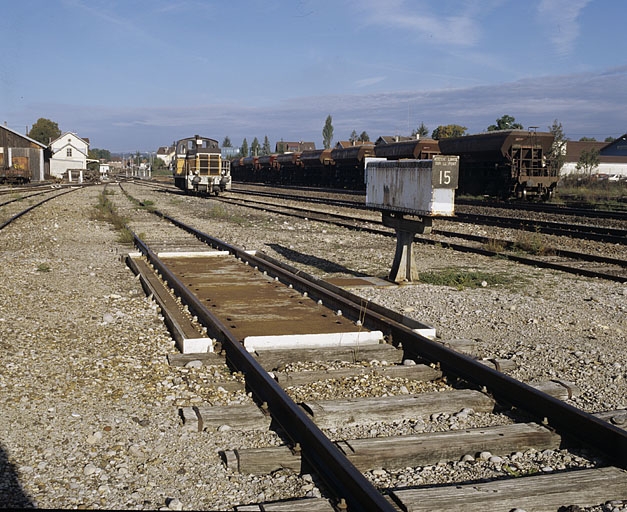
[20,152]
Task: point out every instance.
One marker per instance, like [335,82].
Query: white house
[69,151]
[167,154]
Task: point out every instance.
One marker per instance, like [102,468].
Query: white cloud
[365,82]
[584,103]
[459,29]
[561,19]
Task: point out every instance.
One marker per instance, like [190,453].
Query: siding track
[302,424]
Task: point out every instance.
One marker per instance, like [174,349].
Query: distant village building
[166,154]
[69,152]
[20,152]
[104,169]
[229,152]
[391,139]
[612,156]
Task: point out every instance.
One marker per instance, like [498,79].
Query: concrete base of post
[404,266]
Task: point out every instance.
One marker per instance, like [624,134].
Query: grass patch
[43,267]
[148,205]
[105,211]
[531,243]
[462,278]
[494,245]
[219,212]
[590,190]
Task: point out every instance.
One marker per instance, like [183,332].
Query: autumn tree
[44,131]
[327,132]
[448,131]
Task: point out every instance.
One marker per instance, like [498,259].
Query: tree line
[44,131]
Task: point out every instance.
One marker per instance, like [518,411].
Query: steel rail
[557,209]
[351,223]
[586,232]
[564,418]
[337,472]
[32,207]
[597,233]
[533,207]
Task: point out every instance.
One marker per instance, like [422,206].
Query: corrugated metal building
[612,156]
[19,151]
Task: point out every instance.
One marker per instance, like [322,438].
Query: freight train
[199,167]
[503,163]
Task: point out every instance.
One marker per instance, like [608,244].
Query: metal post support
[404,267]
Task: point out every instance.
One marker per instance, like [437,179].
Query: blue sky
[133,75]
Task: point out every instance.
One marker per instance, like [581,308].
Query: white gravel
[89,402]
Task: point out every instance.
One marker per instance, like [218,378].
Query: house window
[69,152]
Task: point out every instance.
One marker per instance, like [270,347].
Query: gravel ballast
[89,402]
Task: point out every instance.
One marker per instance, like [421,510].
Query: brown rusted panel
[353,155]
[251,303]
[421,149]
[316,158]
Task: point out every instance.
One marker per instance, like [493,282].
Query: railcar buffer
[409,193]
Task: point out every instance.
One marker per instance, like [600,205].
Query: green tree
[327,132]
[353,138]
[99,154]
[557,155]
[363,137]
[226,143]
[280,147]
[266,149]
[158,164]
[610,139]
[448,131]
[587,139]
[421,131]
[505,122]
[244,148]
[44,131]
[254,147]
[588,161]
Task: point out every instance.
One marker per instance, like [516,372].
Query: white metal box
[415,187]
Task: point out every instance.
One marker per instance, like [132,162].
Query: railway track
[581,229]
[452,387]
[13,209]
[556,209]
[527,250]
[591,265]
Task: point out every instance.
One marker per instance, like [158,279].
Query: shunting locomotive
[199,167]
